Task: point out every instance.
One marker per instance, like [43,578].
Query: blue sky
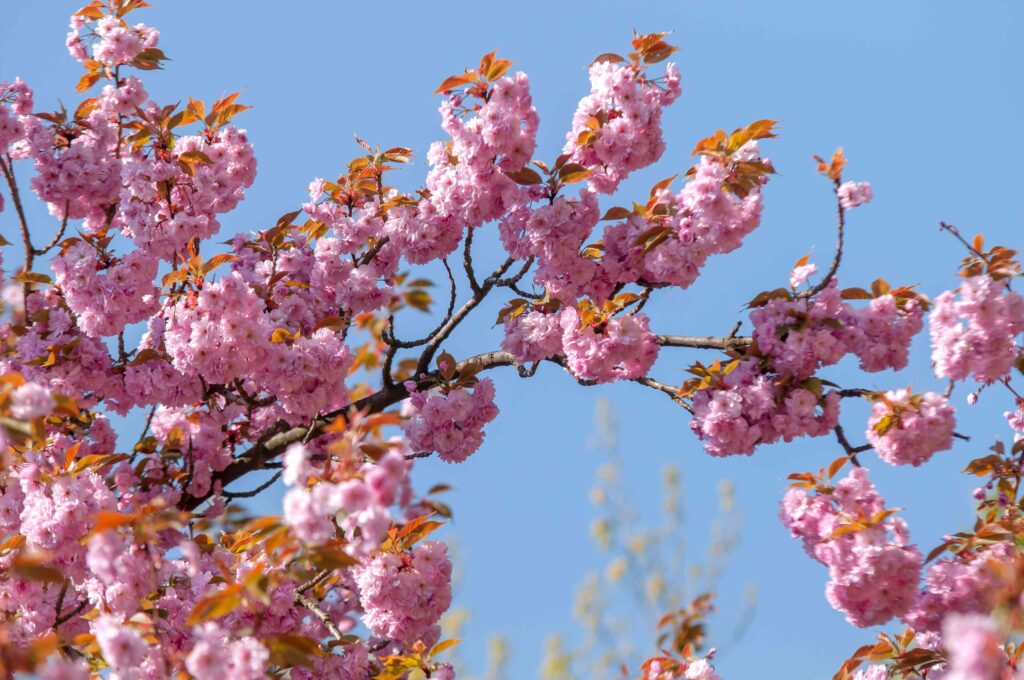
[924,96]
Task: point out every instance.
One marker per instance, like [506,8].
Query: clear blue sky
[925,97]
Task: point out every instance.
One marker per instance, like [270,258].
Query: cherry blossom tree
[282,355]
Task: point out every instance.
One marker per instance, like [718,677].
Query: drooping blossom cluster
[106,295]
[967,583]
[748,407]
[854,194]
[163,224]
[360,503]
[224,335]
[405,594]
[974,647]
[449,422]
[553,234]
[776,395]
[873,572]
[884,330]
[78,177]
[621,348]
[533,336]
[908,429]
[973,330]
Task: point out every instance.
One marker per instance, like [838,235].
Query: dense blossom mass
[281,359]
[873,572]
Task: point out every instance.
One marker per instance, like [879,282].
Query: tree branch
[703,341]
[467,262]
[254,492]
[851,450]
[841,223]
[60,233]
[7,168]
[273,443]
[390,338]
[367,258]
[262,453]
[456,319]
[320,614]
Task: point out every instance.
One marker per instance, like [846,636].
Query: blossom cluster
[621,348]
[801,336]
[776,395]
[873,572]
[106,295]
[707,220]
[359,503]
[748,407]
[967,583]
[449,422]
[908,429]
[405,594]
[115,42]
[533,336]
[630,137]
[973,330]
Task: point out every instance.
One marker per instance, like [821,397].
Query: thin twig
[7,168]
[945,226]
[516,278]
[254,492]
[392,341]
[645,295]
[60,233]
[320,614]
[367,258]
[71,614]
[837,259]
[519,291]
[419,454]
[851,450]
[672,392]
[60,602]
[467,262]
[315,581]
[457,317]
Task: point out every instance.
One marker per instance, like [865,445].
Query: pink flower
[404,595]
[975,334]
[622,348]
[122,646]
[873,574]
[974,645]
[31,401]
[450,423]
[800,274]
[908,429]
[854,194]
